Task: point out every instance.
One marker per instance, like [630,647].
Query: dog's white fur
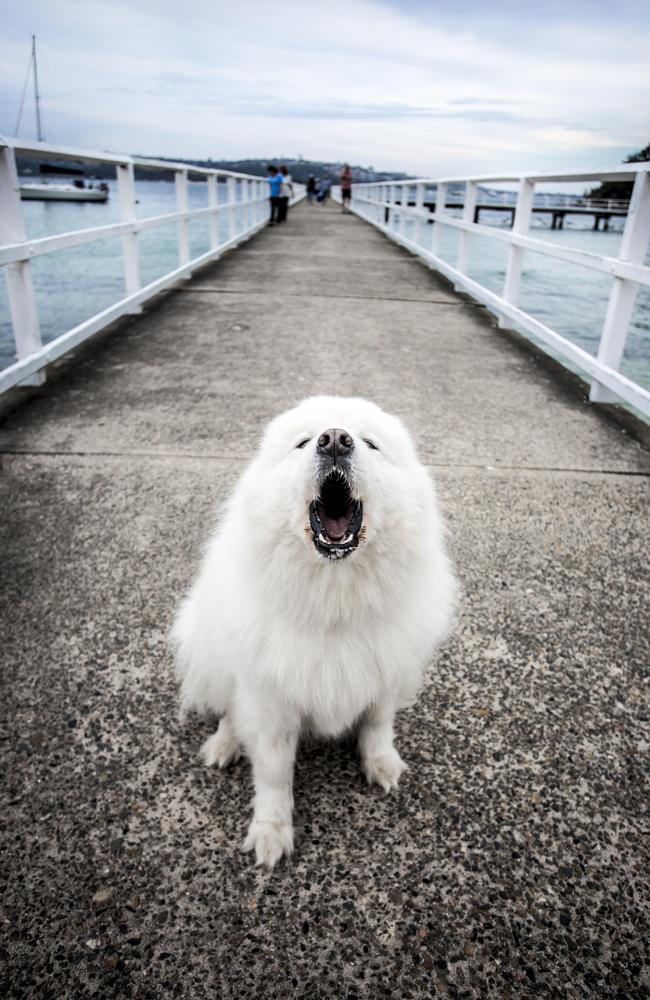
[275,639]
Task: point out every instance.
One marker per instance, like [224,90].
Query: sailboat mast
[39,133]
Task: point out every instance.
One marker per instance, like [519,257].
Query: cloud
[491,101]
[391,84]
[348,111]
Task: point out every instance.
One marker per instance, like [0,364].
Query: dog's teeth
[325,540]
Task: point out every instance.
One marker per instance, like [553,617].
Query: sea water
[72,285]
[570,299]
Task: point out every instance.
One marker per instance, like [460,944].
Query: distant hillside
[301,168]
[298,168]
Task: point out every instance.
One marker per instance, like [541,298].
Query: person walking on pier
[285,194]
[311,189]
[346,187]
[323,191]
[275,188]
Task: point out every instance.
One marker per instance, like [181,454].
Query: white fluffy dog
[320,600]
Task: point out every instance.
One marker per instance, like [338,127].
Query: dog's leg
[222,747]
[272,750]
[380,760]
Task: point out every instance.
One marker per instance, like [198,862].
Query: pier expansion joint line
[481,467]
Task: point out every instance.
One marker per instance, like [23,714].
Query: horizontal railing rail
[392,205]
[613,204]
[568,204]
[245,211]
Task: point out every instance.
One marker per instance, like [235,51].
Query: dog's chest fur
[332,676]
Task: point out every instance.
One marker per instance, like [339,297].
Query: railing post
[469,208]
[20,286]
[258,201]
[213,219]
[623,294]
[243,196]
[231,185]
[438,227]
[418,233]
[128,213]
[521,224]
[252,194]
[251,203]
[403,200]
[182,204]
[246,198]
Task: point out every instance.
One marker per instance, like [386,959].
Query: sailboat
[79,189]
[63,192]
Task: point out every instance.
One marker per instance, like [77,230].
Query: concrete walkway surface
[512,862]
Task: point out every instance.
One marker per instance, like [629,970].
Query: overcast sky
[430,88]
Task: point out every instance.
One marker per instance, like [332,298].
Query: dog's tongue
[336,527]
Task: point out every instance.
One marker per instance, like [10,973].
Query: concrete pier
[512,862]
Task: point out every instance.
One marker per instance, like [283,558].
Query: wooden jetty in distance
[601,210]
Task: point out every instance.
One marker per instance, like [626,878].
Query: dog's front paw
[220,748]
[269,841]
[384,770]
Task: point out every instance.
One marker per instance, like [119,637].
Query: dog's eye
[303,443]
[371,445]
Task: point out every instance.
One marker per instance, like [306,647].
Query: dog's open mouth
[335,517]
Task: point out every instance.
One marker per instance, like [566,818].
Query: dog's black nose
[335,443]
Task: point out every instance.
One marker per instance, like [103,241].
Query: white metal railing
[388,206]
[245,209]
[612,204]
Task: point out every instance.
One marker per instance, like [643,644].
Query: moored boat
[63,192]
[78,190]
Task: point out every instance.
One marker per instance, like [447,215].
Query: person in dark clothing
[285,194]
[275,188]
[311,189]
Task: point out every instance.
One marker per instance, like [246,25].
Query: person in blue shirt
[323,191]
[275,190]
[285,194]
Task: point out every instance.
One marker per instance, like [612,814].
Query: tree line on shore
[620,189]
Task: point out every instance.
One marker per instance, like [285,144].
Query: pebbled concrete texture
[512,862]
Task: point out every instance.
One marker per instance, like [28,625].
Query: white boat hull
[51,192]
